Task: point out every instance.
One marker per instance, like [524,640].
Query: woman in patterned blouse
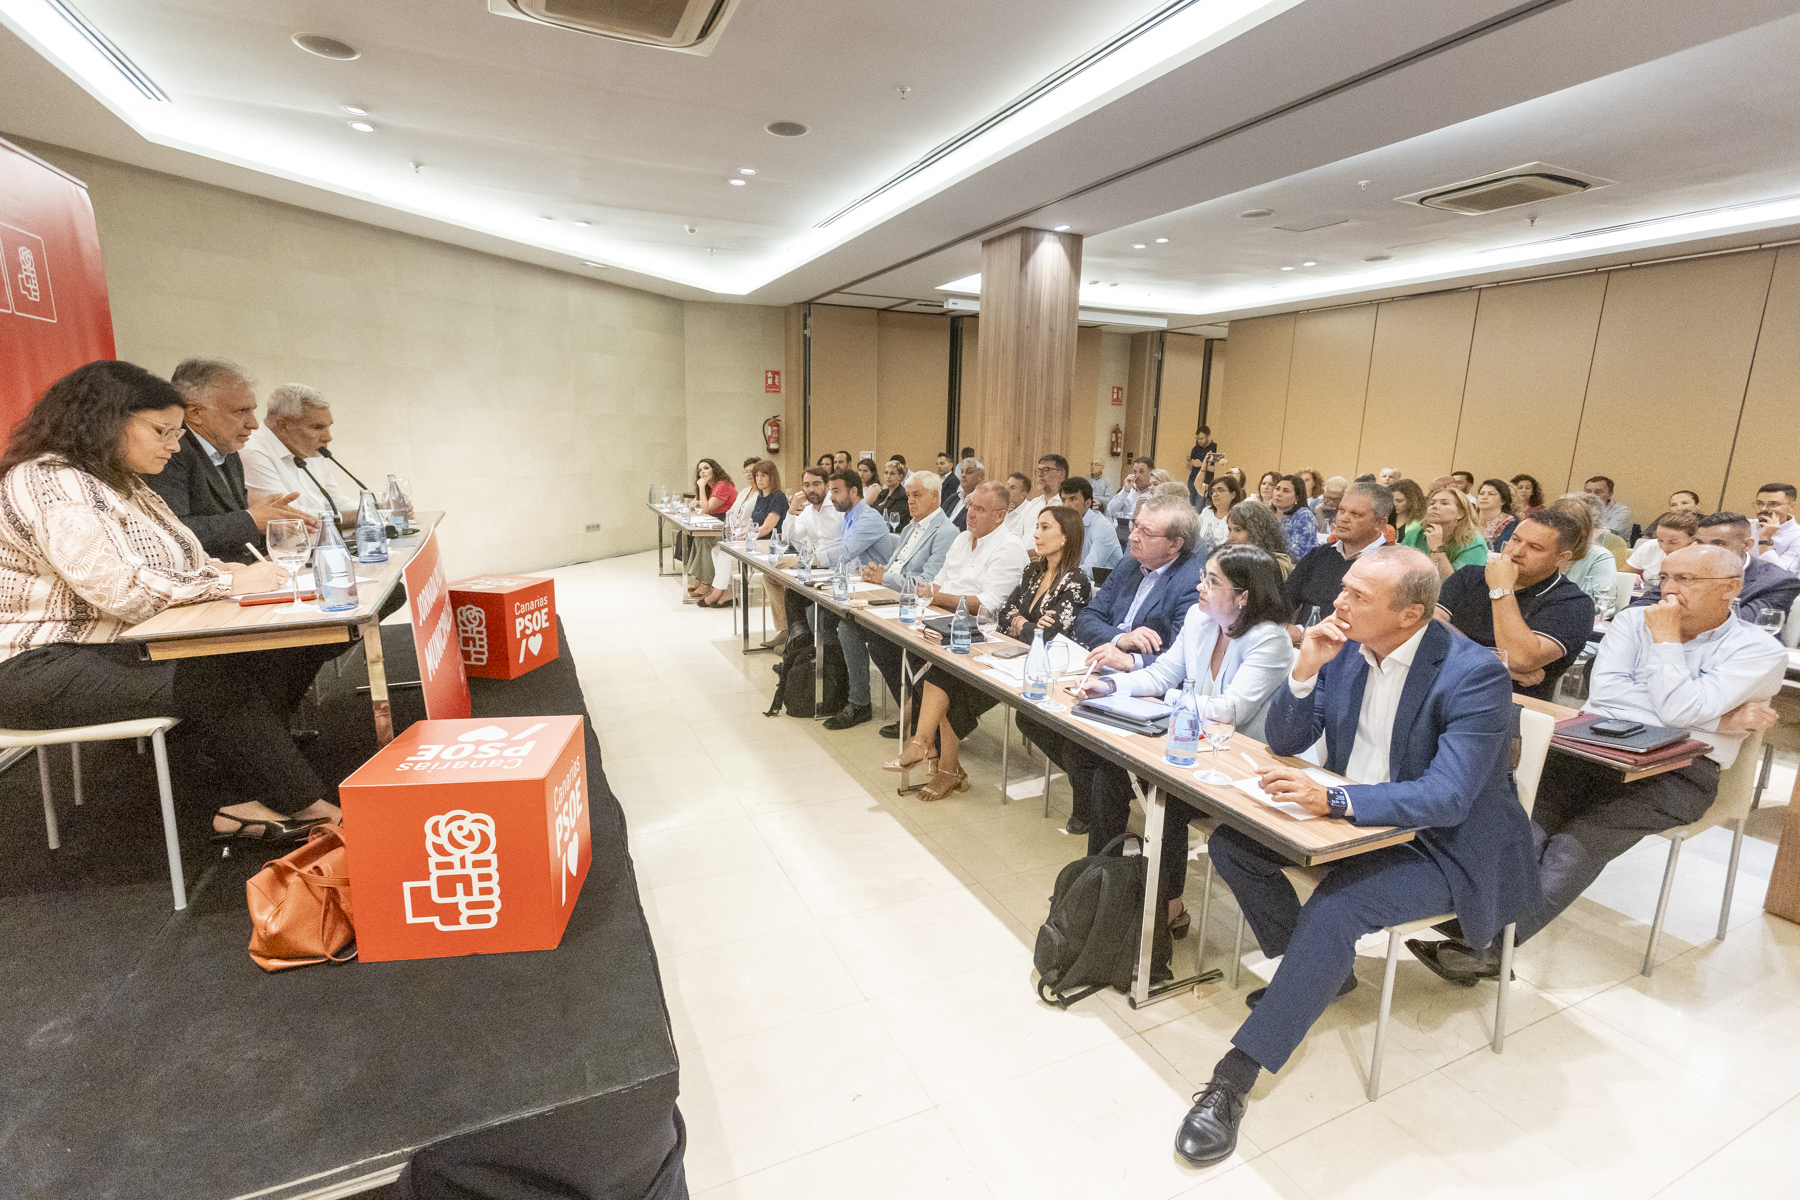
[1299,527]
[1052,591]
[87,550]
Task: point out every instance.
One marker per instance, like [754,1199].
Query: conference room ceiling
[503,136]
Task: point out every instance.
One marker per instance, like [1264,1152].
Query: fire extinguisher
[1118,441]
[772,434]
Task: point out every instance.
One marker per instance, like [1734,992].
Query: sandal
[272,833]
[1178,928]
[904,763]
[942,783]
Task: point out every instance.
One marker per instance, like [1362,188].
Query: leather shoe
[1252,999]
[854,714]
[1209,1132]
[1076,827]
[1454,962]
[890,731]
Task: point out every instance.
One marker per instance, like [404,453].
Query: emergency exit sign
[772,381]
[1118,395]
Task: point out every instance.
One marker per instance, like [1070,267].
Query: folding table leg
[49,804]
[1142,992]
[1502,1001]
[378,690]
[75,766]
[177,881]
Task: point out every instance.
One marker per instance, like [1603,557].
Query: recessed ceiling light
[735,182]
[1093,283]
[595,265]
[1160,241]
[1254,214]
[326,47]
[362,127]
[356,110]
[786,129]
[1378,258]
[1287,268]
[583,224]
[546,218]
[746,170]
[1137,245]
[1061,229]
[1309,263]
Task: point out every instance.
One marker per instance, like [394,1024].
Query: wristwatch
[1338,801]
[1496,593]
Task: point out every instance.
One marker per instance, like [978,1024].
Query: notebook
[1645,740]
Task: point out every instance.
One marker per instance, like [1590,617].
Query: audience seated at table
[1494,513]
[1049,595]
[870,474]
[891,500]
[1233,647]
[1123,506]
[1253,523]
[763,507]
[1265,489]
[1681,662]
[1522,605]
[87,550]
[1224,492]
[1527,495]
[971,475]
[1766,587]
[813,526]
[282,456]
[1313,585]
[1100,550]
[920,555]
[844,530]
[1451,534]
[1668,533]
[714,494]
[1136,614]
[1775,513]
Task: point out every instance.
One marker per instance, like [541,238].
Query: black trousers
[1104,789]
[238,704]
[890,659]
[1586,816]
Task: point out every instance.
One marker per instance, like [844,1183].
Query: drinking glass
[1770,620]
[400,500]
[289,544]
[1218,736]
[1058,654]
[987,620]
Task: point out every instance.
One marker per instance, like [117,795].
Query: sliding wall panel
[1183,366]
[1767,447]
[1140,394]
[912,386]
[1671,362]
[1528,375]
[969,423]
[1089,360]
[845,354]
[1416,373]
[1327,386]
[1247,416]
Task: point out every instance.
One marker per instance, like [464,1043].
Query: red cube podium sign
[506,624]
[468,837]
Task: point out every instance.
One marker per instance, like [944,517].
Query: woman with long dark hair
[1494,511]
[714,494]
[87,550]
[1225,493]
[1299,527]
[1253,523]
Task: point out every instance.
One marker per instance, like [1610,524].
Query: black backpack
[794,686]
[1089,940]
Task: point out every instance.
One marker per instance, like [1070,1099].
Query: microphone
[325,451]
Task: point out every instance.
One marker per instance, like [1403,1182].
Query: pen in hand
[259,554]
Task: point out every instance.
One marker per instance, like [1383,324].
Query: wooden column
[1030,281]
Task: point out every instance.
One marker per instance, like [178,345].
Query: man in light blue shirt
[864,530]
[1099,538]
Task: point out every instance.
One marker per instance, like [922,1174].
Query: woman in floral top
[1052,591]
[1299,527]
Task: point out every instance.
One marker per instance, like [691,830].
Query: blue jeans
[856,662]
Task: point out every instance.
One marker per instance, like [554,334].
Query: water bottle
[909,603]
[840,581]
[399,503]
[1037,668]
[1184,729]
[371,531]
[962,627]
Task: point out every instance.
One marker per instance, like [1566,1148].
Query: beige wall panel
[1115,371]
[845,353]
[1415,385]
[1184,358]
[912,387]
[727,348]
[1327,386]
[969,419]
[1670,365]
[1140,389]
[1768,436]
[1217,389]
[1084,401]
[793,423]
[1247,416]
[1527,379]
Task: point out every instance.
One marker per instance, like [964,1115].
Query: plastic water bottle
[1183,747]
[399,503]
[840,581]
[1037,669]
[909,603]
[371,531]
[334,575]
[962,627]
[774,541]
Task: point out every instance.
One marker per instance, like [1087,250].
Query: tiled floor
[849,976]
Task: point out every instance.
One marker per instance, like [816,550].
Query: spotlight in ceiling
[786,129]
[1287,268]
[735,182]
[583,224]
[1137,245]
[1160,241]
[1256,214]
[746,170]
[1061,229]
[362,127]
[326,47]
[356,110]
[1378,258]
[546,218]
[1309,263]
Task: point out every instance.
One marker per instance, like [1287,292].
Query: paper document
[1138,708]
[1251,788]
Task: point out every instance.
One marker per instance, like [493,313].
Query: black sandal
[274,832]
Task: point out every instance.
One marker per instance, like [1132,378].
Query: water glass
[289,544]
[1770,620]
[987,620]
[1218,736]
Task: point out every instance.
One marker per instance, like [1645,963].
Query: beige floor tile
[903,945]
[756,1101]
[1764,951]
[650,808]
[874,876]
[1759,1162]
[1587,949]
[1008,844]
[835,827]
[1258,1179]
[688,852]
[1100,1124]
[1026,894]
[774,789]
[914,1159]
[744,987]
[722,909]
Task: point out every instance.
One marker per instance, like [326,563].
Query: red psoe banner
[434,635]
[53,310]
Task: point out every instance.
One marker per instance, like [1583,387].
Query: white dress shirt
[271,466]
[1785,551]
[1123,507]
[989,571]
[821,528]
[1380,705]
[1685,685]
[1021,522]
[1253,667]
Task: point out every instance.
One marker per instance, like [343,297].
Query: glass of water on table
[1058,651]
[289,544]
[1218,736]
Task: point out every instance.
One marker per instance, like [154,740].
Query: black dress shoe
[890,731]
[1252,999]
[303,737]
[1456,963]
[1209,1132]
[1076,827]
[854,714]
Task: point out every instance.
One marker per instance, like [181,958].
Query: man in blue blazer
[1137,612]
[1420,722]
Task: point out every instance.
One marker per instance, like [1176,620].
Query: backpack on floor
[1090,939]
[794,691]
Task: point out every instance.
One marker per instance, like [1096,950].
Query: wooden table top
[225,618]
[683,520]
[1311,842]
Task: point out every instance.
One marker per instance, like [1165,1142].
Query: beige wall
[1679,375]
[726,349]
[881,381]
[526,402]
[1178,404]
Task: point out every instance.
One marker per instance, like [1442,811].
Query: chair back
[1737,784]
[890,542]
[1622,591]
[1790,633]
[1535,729]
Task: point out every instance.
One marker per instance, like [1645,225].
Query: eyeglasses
[1691,580]
[1207,585]
[171,434]
[1140,528]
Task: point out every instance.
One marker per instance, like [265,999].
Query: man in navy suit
[1420,722]
[1136,613]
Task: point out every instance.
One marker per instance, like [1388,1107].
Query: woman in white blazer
[1234,646]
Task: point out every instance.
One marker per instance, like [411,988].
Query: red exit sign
[771,381]
[1118,395]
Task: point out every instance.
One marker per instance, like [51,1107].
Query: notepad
[1253,789]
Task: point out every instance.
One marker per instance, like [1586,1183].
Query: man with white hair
[1388,477]
[296,426]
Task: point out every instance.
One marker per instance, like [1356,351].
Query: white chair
[117,731]
[1535,729]
[1621,596]
[1731,806]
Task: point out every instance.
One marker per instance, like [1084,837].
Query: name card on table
[434,635]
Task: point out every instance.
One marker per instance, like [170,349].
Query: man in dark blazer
[1766,586]
[203,484]
[1136,613]
[1420,721]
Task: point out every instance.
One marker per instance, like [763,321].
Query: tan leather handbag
[300,906]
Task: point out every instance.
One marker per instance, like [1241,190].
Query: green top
[1475,554]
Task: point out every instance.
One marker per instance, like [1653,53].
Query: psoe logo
[464,874]
[25,275]
[471,624]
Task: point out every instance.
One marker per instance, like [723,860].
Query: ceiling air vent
[1529,184]
[689,26]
